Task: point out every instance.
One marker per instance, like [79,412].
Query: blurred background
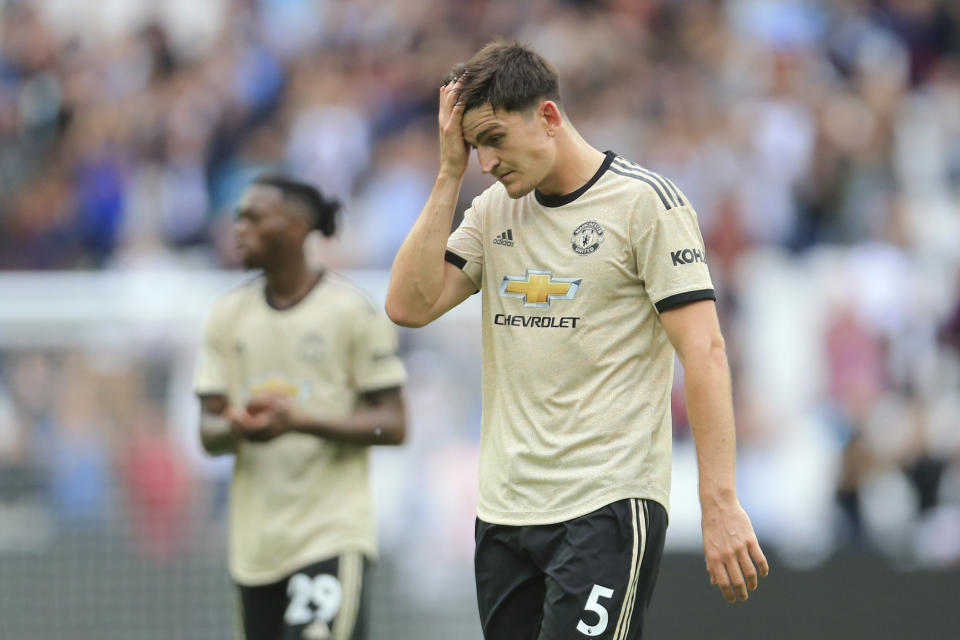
[819,142]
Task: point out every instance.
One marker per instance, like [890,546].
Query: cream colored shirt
[299,498]
[577,368]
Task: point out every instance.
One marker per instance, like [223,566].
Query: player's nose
[488,159]
[242,233]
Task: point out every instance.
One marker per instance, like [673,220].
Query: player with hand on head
[298,377]
[593,276]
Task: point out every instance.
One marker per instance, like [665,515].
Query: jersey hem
[377,388]
[685,297]
[211,391]
[458,261]
[257,579]
[515,519]
[383,384]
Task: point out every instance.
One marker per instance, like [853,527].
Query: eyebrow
[483,134]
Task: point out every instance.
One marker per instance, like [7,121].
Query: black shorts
[323,600]
[590,577]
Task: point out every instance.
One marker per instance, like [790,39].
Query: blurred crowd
[819,142]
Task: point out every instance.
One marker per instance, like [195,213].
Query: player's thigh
[510,588]
[261,611]
[600,578]
[325,601]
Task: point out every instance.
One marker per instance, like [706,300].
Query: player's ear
[297,223]
[550,116]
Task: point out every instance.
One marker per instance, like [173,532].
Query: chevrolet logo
[539,288]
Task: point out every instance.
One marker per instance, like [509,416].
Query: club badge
[587,238]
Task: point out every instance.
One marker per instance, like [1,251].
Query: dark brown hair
[506,75]
[322,210]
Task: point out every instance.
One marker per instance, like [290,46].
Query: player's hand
[733,555]
[236,418]
[265,417]
[454,151]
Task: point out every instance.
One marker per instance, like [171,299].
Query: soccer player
[593,274]
[298,377]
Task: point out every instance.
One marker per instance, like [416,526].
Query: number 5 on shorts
[594,605]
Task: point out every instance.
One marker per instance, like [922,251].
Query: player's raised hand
[733,555]
[454,151]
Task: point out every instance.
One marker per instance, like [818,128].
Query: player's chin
[251,261]
[516,189]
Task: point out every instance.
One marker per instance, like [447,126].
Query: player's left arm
[731,550]
[380,418]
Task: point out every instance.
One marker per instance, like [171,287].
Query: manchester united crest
[587,238]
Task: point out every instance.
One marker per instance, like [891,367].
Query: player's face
[262,227]
[513,146]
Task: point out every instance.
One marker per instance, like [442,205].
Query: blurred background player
[298,377]
[592,270]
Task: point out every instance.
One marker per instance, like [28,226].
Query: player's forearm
[371,426]
[216,434]
[710,411]
[416,277]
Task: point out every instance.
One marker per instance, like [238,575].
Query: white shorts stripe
[643,547]
[238,631]
[350,572]
[618,633]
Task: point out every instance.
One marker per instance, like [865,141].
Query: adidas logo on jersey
[505,238]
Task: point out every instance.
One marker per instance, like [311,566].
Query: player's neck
[577,162]
[289,283]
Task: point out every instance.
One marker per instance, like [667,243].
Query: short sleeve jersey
[577,368]
[298,498]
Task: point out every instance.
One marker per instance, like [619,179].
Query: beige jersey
[298,498]
[577,369]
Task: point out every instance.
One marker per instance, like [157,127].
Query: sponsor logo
[543,322]
[587,238]
[538,288]
[505,238]
[277,384]
[687,256]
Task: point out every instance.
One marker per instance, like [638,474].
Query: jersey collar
[270,303]
[559,201]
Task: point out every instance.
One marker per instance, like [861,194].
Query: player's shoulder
[241,292]
[345,292]
[651,190]
[229,305]
[491,200]
[230,301]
